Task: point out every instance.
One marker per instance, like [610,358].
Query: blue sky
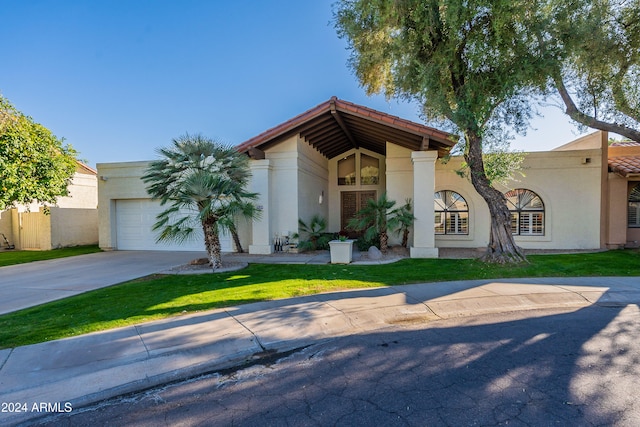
[119,78]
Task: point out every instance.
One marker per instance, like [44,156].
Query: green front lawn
[11,257]
[157,297]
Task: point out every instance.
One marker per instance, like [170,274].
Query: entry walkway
[74,372]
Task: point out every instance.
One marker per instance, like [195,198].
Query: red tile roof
[625,144]
[348,123]
[625,165]
[624,158]
[82,166]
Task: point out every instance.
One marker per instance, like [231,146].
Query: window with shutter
[633,210]
[527,212]
[451,213]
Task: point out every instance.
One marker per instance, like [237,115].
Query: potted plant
[341,249]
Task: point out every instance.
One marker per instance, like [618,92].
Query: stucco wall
[569,188]
[70,227]
[399,179]
[313,183]
[74,221]
[54,230]
[83,192]
[116,181]
[592,141]
[283,188]
[617,218]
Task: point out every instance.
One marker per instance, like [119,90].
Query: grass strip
[160,296]
[12,257]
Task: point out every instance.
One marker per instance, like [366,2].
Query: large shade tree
[35,165]
[597,74]
[468,62]
[203,183]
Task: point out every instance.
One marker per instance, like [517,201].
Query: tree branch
[574,112]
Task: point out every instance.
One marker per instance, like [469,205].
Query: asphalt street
[571,366]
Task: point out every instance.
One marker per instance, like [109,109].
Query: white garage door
[134,222]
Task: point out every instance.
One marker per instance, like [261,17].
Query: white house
[330,159]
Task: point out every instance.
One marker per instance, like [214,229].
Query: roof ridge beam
[336,115]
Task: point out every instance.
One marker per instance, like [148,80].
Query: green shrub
[317,237]
[363,244]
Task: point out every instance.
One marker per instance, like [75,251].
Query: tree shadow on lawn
[158,296]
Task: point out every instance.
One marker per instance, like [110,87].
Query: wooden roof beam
[256,153]
[343,126]
[424,146]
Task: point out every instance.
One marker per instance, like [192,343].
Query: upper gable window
[527,212]
[347,170]
[369,170]
[359,168]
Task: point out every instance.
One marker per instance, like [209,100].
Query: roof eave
[273,135]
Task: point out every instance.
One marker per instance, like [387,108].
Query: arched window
[527,212]
[451,213]
[633,211]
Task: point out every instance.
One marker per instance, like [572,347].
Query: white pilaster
[424,173]
[261,228]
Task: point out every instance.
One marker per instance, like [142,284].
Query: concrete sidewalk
[70,373]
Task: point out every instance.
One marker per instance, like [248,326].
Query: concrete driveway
[30,284]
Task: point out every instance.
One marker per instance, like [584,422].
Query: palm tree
[229,222]
[404,218]
[317,238]
[203,182]
[375,219]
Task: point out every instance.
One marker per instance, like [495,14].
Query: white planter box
[341,251]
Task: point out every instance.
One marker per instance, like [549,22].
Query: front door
[350,203]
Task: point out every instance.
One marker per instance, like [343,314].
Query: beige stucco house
[330,159]
[72,221]
[623,195]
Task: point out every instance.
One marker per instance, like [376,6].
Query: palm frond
[202,181]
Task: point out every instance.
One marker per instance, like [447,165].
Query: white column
[424,174]
[260,183]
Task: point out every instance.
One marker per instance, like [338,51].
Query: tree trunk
[384,239]
[236,239]
[502,247]
[405,237]
[212,243]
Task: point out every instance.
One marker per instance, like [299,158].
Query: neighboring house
[623,221]
[72,221]
[332,158]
